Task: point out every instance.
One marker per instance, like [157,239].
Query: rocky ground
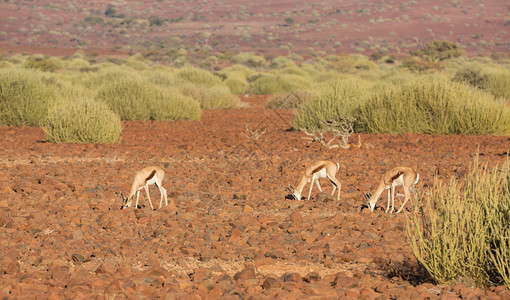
[232,230]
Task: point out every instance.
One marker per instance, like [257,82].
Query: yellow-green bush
[237,70]
[136,64]
[215,97]
[433,105]
[198,76]
[129,98]
[492,78]
[82,120]
[236,85]
[290,100]
[269,84]
[137,99]
[498,84]
[46,64]
[106,76]
[462,229]
[25,97]
[173,106]
[332,99]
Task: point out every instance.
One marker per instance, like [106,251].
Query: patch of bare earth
[234,232]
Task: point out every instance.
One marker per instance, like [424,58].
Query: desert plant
[129,98]
[198,76]
[173,106]
[440,50]
[281,83]
[215,97]
[332,99]
[237,86]
[461,229]
[46,64]
[498,84]
[290,100]
[471,74]
[137,99]
[82,121]
[25,97]
[434,105]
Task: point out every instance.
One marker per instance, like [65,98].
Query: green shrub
[137,99]
[216,97]
[462,228]
[498,84]
[238,70]
[46,64]
[440,50]
[82,121]
[106,76]
[198,76]
[333,99]
[136,64]
[25,97]
[237,86]
[290,100]
[173,106]
[129,98]
[471,74]
[277,84]
[281,62]
[433,105]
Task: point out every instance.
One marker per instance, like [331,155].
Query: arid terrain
[271,28]
[232,230]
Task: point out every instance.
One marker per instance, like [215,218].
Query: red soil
[62,233]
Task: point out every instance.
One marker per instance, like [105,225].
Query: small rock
[12,268]
[246,273]
[77,235]
[292,277]
[78,258]
[106,268]
[344,281]
[153,261]
[312,276]
[295,217]
[247,210]
[156,272]
[199,274]
[271,282]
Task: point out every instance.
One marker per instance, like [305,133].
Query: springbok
[143,178]
[404,176]
[312,174]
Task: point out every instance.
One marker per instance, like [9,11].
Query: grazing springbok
[404,176]
[147,176]
[319,169]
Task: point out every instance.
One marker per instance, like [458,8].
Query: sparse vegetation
[82,121]
[25,97]
[461,229]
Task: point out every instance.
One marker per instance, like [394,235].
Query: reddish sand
[233,233]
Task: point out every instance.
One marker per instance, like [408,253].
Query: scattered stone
[295,217]
[77,235]
[106,268]
[78,258]
[248,210]
[271,282]
[246,273]
[292,277]
[312,276]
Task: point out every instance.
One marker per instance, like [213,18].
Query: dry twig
[340,127]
